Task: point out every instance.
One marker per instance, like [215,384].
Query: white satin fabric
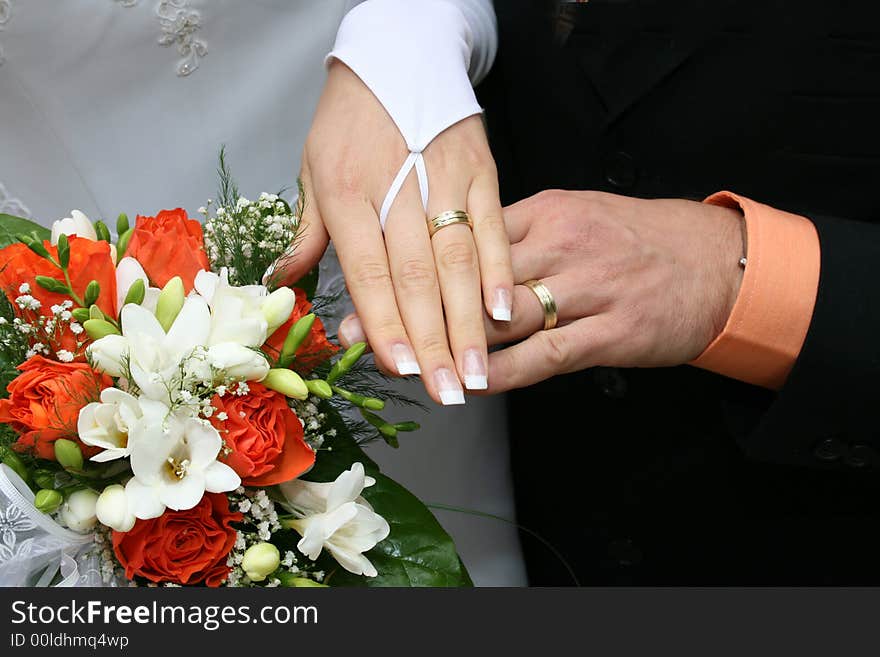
[97,114]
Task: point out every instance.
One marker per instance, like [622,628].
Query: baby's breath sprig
[247,236]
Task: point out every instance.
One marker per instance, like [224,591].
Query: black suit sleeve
[828,412]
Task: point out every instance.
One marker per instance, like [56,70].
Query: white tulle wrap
[37,551]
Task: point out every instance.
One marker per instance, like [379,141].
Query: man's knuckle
[558,348]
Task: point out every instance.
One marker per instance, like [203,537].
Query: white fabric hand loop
[419,58]
[415,159]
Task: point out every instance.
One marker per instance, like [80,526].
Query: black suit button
[828,449]
[624,552]
[860,456]
[610,381]
[621,170]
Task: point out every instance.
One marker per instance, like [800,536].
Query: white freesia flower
[112,509]
[335,517]
[106,424]
[80,225]
[76,224]
[238,362]
[174,461]
[78,512]
[246,315]
[128,271]
[152,356]
[109,354]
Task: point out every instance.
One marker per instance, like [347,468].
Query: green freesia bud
[96,313]
[99,328]
[68,454]
[319,388]
[52,285]
[122,244]
[352,355]
[81,315]
[34,245]
[370,403]
[44,479]
[295,336]
[48,501]
[170,302]
[12,460]
[374,404]
[287,382]
[102,231]
[136,292]
[93,291]
[121,223]
[63,251]
[407,426]
[387,431]
[260,561]
[292,581]
[348,360]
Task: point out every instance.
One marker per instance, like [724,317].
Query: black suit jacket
[678,475]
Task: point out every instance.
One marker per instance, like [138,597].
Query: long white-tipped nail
[502,305]
[352,331]
[404,360]
[448,387]
[475,377]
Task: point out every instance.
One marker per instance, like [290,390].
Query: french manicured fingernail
[404,359]
[448,387]
[502,305]
[475,377]
[351,331]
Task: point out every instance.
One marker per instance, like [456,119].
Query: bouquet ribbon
[34,549]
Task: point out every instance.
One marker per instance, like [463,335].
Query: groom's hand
[638,283]
[420,300]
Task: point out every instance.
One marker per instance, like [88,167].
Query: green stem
[73,295]
[530,532]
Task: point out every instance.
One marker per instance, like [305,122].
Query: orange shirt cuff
[771,315]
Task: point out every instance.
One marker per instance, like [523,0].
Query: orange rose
[265,436]
[168,245]
[183,547]
[314,350]
[45,400]
[89,261]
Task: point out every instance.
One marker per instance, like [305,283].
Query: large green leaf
[418,552]
[11,226]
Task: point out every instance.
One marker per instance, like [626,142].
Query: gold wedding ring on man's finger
[449,218]
[548,303]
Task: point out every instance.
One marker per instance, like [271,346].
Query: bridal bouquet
[173,416]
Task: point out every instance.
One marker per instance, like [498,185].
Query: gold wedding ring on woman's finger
[449,218]
[548,303]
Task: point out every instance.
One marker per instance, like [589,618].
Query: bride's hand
[420,300]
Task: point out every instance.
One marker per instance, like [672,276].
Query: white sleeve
[420,59]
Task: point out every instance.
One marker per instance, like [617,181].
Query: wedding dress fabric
[121,106]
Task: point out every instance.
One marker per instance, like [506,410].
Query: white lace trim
[179,26]
[13,206]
